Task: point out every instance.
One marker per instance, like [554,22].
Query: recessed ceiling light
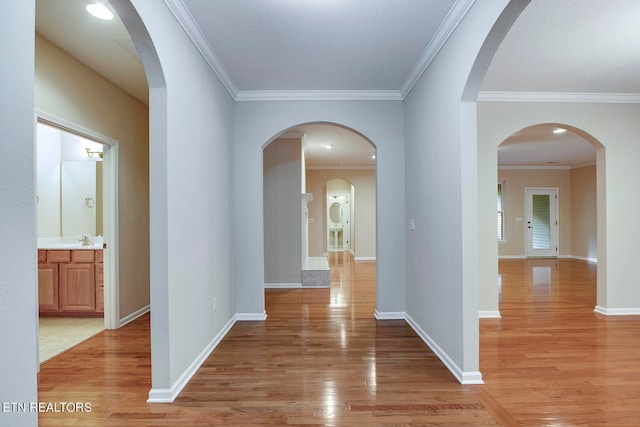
[100,11]
[373,157]
[559,130]
[328,146]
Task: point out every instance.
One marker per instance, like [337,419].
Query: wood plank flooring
[322,359]
[551,360]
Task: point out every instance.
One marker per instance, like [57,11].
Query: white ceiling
[585,46]
[318,47]
[333,147]
[538,146]
[318,44]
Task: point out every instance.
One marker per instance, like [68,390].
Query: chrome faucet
[85,240]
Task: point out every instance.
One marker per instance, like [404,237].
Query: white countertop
[70,243]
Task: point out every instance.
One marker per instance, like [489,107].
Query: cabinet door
[77,287]
[48,287]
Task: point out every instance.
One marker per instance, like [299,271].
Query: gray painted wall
[282,207]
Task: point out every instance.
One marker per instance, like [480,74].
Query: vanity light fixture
[100,11]
[91,153]
[559,130]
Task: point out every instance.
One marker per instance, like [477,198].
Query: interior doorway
[542,222]
[77,233]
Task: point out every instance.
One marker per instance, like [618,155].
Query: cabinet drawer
[82,256]
[58,256]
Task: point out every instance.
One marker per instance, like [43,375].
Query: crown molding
[533,167]
[319,95]
[193,31]
[607,98]
[545,167]
[457,12]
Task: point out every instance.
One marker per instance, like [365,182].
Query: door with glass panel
[542,222]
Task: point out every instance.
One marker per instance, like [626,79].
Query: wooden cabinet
[48,286]
[70,282]
[77,287]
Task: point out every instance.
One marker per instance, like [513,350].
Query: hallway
[322,359]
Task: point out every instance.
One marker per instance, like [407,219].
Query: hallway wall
[442,251]
[259,122]
[282,218]
[18,246]
[191,116]
[616,127]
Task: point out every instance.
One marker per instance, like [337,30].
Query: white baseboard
[282,285]
[168,395]
[464,377]
[489,314]
[617,311]
[364,258]
[246,317]
[389,315]
[133,316]
[580,258]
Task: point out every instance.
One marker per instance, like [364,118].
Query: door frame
[553,210]
[110,210]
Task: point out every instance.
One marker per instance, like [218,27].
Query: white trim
[133,316]
[336,167]
[389,315]
[617,311]
[364,258]
[168,395]
[282,285]
[247,317]
[188,24]
[74,128]
[607,98]
[318,95]
[576,257]
[533,167]
[110,227]
[489,314]
[579,258]
[449,24]
[464,377]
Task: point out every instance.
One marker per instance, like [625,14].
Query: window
[501,231]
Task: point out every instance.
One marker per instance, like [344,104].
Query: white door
[542,222]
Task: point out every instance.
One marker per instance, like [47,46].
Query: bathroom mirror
[69,184]
[335,212]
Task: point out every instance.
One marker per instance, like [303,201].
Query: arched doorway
[302,160]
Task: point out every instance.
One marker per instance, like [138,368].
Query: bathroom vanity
[71,282]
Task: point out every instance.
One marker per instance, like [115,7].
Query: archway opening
[303,163]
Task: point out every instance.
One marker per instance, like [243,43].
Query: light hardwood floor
[322,359]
